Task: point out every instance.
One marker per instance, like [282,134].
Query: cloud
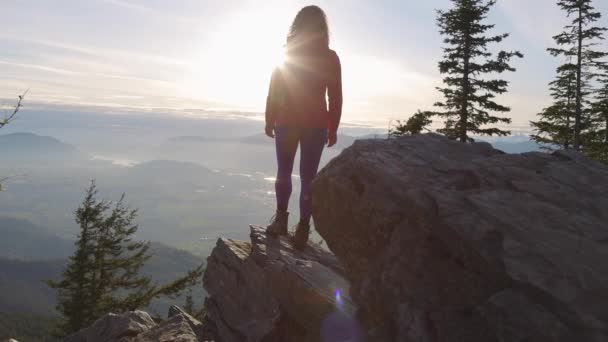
[41,68]
[129,5]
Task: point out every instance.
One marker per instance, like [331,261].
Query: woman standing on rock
[303,108]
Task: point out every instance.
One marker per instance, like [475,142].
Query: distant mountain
[516,146]
[24,241]
[21,286]
[27,327]
[22,289]
[33,147]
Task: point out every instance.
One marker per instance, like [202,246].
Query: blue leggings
[312,141]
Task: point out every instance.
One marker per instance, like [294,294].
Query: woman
[298,113]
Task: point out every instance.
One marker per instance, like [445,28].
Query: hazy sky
[184,55]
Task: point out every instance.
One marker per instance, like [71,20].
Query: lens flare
[338,298]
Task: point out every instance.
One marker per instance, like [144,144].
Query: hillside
[29,254]
[26,327]
[23,240]
[22,289]
[33,147]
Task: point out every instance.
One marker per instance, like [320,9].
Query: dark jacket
[301,89]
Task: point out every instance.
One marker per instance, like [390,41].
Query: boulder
[264,290]
[114,327]
[138,326]
[444,241]
[175,329]
[197,327]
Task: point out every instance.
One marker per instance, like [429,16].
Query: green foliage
[596,145]
[104,274]
[576,43]
[26,327]
[469,97]
[414,125]
[555,126]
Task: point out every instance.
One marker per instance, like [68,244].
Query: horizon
[205,57]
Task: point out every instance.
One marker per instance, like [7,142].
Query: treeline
[578,118]
[27,327]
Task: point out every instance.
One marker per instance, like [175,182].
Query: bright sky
[184,55]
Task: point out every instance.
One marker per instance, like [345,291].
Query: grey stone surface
[444,241]
[265,290]
[196,326]
[114,327]
[175,329]
[137,326]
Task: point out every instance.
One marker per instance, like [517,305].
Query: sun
[235,64]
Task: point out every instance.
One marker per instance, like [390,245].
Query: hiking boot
[300,238]
[278,226]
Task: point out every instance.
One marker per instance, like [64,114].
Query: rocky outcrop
[443,241]
[264,290]
[138,326]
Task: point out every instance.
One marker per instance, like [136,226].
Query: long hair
[309,31]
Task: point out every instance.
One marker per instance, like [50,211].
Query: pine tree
[469,98]
[577,42]
[75,300]
[555,126]
[414,125]
[598,138]
[103,275]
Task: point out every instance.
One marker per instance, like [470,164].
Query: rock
[175,329]
[114,327]
[138,326]
[196,326]
[264,290]
[444,241]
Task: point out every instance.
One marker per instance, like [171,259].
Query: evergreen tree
[103,275]
[469,97]
[577,42]
[414,125]
[598,138]
[555,126]
[75,301]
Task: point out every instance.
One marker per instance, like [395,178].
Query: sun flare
[238,59]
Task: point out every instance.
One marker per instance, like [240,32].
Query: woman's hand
[332,139]
[269,131]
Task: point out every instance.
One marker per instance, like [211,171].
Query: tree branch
[13,114]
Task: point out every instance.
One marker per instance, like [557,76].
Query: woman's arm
[272,103]
[334,94]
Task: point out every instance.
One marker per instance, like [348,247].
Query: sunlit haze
[189,56]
